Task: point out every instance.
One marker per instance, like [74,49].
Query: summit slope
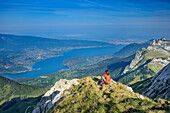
[85,95]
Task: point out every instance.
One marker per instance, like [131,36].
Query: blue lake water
[55,64]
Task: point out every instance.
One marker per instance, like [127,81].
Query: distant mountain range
[21,42]
[131,49]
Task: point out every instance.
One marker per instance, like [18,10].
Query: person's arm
[103,75]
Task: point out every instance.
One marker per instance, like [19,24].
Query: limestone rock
[158,86]
[162,45]
[54,95]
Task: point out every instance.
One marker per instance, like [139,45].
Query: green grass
[106,98]
[137,75]
[155,54]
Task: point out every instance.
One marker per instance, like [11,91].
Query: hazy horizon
[100,20]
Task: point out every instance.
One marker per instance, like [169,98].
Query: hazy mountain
[157,86]
[15,41]
[131,49]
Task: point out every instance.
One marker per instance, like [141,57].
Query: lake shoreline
[55,64]
[30,68]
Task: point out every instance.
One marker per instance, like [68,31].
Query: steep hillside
[157,86]
[10,89]
[85,95]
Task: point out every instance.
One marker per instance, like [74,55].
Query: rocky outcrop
[158,86]
[134,62]
[161,45]
[54,95]
[136,95]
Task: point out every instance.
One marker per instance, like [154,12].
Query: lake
[55,64]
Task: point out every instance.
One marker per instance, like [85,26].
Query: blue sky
[106,20]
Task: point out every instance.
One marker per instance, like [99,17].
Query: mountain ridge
[85,95]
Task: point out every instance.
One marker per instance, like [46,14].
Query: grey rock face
[158,86]
[54,95]
[162,45]
[134,62]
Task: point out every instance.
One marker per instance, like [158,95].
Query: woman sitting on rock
[105,78]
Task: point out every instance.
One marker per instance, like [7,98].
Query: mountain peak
[160,42]
[163,39]
[161,45]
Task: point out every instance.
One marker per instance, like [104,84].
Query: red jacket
[107,77]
